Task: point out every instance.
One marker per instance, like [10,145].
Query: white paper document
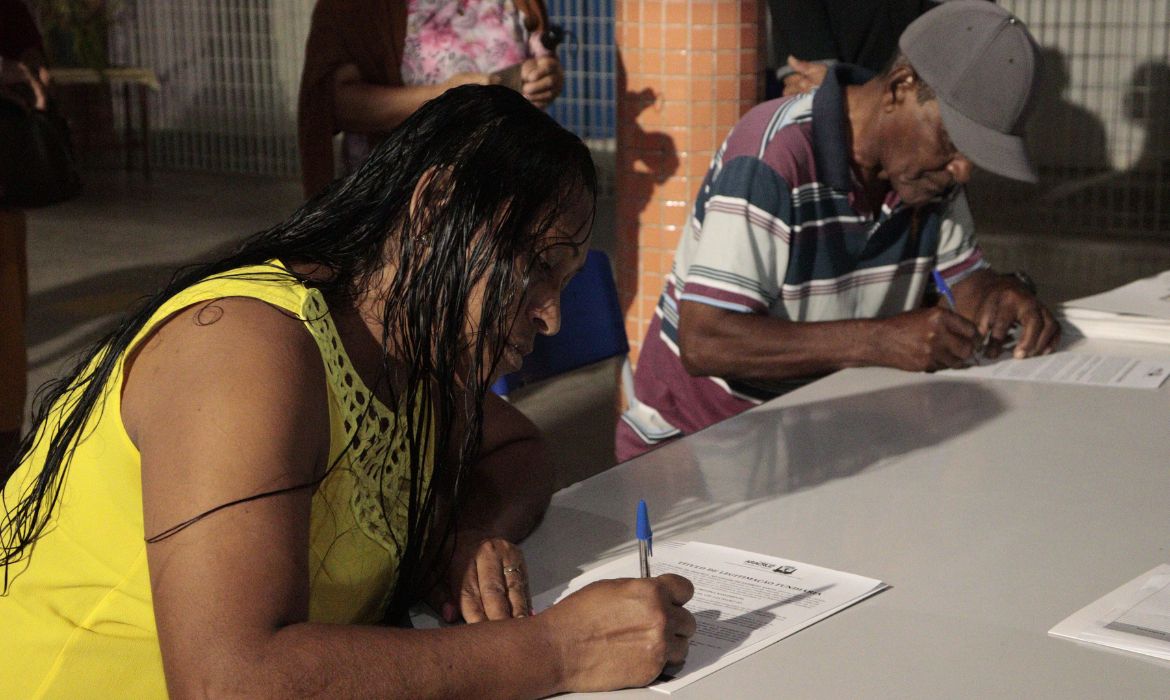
[1138,311]
[1106,325]
[743,601]
[1072,368]
[1148,297]
[1135,617]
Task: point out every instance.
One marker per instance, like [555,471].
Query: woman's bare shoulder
[254,365]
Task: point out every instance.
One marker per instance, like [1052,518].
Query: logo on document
[771,566]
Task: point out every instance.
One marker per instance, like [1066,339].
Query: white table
[994,509]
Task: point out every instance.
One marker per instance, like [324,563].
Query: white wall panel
[229,71]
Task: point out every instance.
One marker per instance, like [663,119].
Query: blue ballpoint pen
[943,288]
[645,539]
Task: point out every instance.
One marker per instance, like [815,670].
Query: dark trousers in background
[13,308]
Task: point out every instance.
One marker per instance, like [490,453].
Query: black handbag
[37,167]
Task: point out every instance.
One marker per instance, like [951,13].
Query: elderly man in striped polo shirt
[814,235]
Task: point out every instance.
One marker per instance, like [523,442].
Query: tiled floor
[91,258]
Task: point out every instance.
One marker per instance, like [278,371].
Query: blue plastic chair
[592,329]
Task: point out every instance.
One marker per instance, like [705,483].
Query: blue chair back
[592,328]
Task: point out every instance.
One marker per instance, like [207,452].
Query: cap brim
[1002,154]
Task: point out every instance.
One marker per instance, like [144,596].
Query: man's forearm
[760,349]
[757,348]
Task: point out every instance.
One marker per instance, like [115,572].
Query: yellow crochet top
[78,620]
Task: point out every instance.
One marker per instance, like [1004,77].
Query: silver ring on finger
[511,570]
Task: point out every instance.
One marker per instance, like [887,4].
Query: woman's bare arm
[227,400]
[512,481]
[364,107]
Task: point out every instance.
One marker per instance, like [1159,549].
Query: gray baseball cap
[981,62]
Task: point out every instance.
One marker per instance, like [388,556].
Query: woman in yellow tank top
[281,451]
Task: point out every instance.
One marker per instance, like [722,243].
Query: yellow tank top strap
[271,283]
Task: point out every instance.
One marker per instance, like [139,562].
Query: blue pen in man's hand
[943,288]
[645,539]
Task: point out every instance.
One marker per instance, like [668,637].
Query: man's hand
[925,340]
[543,79]
[807,75]
[760,349]
[487,580]
[1006,302]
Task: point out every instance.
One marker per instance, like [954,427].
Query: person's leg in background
[13,307]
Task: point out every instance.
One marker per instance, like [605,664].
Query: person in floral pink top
[444,39]
[371,63]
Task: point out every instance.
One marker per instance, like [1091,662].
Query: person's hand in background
[542,78]
[28,72]
[806,75]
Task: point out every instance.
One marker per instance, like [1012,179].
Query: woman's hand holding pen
[620,633]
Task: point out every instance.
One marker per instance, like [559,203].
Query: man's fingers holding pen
[1039,330]
[1031,321]
[995,320]
[924,340]
[958,342]
[1049,334]
[1008,304]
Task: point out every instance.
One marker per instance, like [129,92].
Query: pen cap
[643,529]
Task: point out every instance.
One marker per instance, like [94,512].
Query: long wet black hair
[496,174]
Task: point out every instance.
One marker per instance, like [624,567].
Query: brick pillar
[687,70]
